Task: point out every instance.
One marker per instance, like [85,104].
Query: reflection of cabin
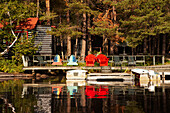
[43,98]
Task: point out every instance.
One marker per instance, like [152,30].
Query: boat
[146,75]
[76,75]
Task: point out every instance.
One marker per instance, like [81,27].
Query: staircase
[44,39]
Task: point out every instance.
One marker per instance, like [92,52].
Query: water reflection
[81,97]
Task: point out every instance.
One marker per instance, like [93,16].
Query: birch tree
[11,13]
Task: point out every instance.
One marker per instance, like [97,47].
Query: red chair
[103,60]
[102,92]
[90,60]
[90,91]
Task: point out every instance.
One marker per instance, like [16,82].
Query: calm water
[48,95]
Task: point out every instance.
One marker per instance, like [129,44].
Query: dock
[159,68]
[110,76]
[111,83]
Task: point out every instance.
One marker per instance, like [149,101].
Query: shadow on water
[55,94]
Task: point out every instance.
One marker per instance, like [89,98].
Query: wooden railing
[27,60]
[138,58]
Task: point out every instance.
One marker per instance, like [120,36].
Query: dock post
[163,59]
[153,60]
[163,77]
[33,72]
[49,70]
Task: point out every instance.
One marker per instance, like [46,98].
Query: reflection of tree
[132,107]
[14,88]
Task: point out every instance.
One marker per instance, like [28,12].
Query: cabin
[30,27]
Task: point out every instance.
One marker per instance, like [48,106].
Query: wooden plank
[42,85]
[109,77]
[113,74]
[124,83]
[161,67]
[58,67]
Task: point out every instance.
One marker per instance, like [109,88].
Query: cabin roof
[28,24]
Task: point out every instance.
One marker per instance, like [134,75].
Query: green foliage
[77,7]
[91,71]
[64,64]
[65,30]
[140,18]
[101,29]
[24,47]
[10,66]
[17,11]
[96,64]
[11,14]
[81,64]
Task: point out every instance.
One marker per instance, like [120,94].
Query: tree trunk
[111,47]
[153,47]
[76,47]
[62,53]
[61,41]
[150,46]
[48,10]
[115,49]
[105,45]
[111,41]
[132,50]
[83,49]
[158,44]
[38,5]
[68,37]
[145,46]
[164,45]
[16,38]
[89,35]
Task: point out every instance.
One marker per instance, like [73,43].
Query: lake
[58,95]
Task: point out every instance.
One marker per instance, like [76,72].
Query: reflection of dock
[111,76]
[116,83]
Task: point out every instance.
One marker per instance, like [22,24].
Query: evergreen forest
[142,26]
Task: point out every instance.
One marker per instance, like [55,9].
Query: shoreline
[4,74]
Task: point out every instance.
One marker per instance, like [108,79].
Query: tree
[104,25]
[141,19]
[12,13]
[74,25]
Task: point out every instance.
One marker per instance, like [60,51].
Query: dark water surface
[50,96]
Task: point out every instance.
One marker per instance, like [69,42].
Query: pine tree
[141,19]
[104,25]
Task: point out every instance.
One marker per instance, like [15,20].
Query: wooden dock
[60,68]
[111,76]
[43,85]
[159,68]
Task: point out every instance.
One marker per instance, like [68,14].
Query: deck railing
[144,59]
